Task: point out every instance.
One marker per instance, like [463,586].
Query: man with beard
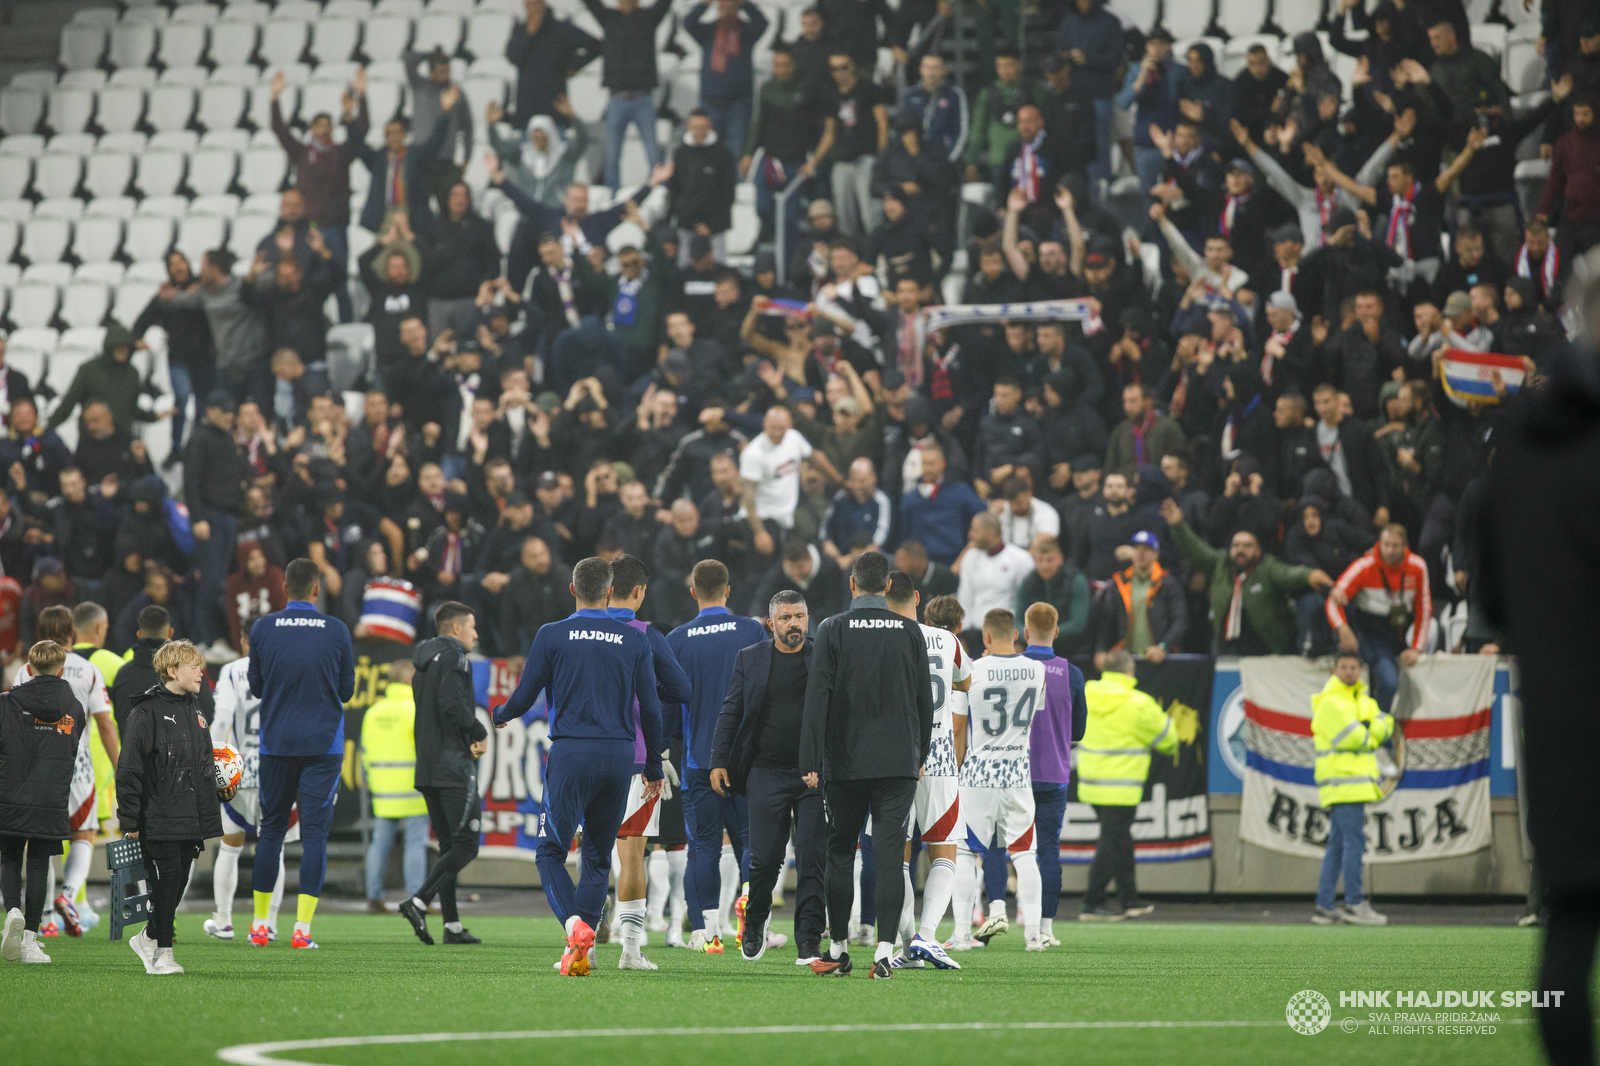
[535,594]
[1105,528]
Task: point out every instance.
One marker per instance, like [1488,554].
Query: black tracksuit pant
[168,863]
[777,798]
[888,801]
[1113,858]
[38,870]
[456,813]
[1572,929]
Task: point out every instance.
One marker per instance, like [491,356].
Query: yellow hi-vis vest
[105,772]
[1346,728]
[1113,759]
[389,754]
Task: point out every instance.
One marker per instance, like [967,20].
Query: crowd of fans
[1240,444]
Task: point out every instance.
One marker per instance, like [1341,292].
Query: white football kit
[996,780]
[90,690]
[238,722]
[937,806]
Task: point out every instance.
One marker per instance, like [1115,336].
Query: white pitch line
[258,1054]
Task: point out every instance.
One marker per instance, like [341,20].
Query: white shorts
[242,814]
[643,817]
[937,809]
[998,814]
[83,809]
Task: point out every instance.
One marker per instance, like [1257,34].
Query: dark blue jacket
[739,77]
[706,647]
[591,668]
[303,669]
[945,120]
[940,522]
[845,518]
[744,712]
[377,162]
[1099,35]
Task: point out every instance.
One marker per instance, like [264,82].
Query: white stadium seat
[132,44]
[194,77]
[198,234]
[262,203]
[171,107]
[160,173]
[69,109]
[119,109]
[334,40]
[222,106]
[262,169]
[109,274]
[83,44]
[108,173]
[149,236]
[58,172]
[1187,19]
[438,30]
[57,274]
[151,11]
[97,240]
[480,89]
[33,305]
[385,98]
[181,141]
[138,77]
[318,97]
[1489,37]
[173,207]
[204,14]
[354,9]
[211,170]
[1524,69]
[1296,16]
[233,41]
[1241,18]
[233,139]
[21,108]
[247,232]
[16,174]
[244,74]
[69,208]
[99,16]
[29,349]
[122,207]
[283,41]
[78,144]
[304,10]
[45,240]
[183,44]
[17,211]
[223,204]
[259,114]
[132,298]
[43,80]
[25,144]
[1142,13]
[386,37]
[10,234]
[247,10]
[458,7]
[151,271]
[89,79]
[487,32]
[84,304]
[411,9]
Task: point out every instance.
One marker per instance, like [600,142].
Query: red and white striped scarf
[1402,214]
[1230,212]
[1028,173]
[1547,270]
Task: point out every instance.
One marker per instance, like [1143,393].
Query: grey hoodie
[239,334]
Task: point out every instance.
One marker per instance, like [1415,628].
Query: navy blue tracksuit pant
[706,816]
[586,783]
[313,781]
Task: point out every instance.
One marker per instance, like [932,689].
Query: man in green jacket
[109,379]
[1251,611]
[994,118]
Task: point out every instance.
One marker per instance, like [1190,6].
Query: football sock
[630,920]
[729,872]
[836,948]
[1045,925]
[305,910]
[966,884]
[936,895]
[884,950]
[263,902]
[712,920]
[855,889]
[50,883]
[276,902]
[997,908]
[572,920]
[678,905]
[75,870]
[659,883]
[225,882]
[1029,893]
[454,927]
[908,909]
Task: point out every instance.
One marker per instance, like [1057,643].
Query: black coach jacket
[744,711]
[447,723]
[869,696]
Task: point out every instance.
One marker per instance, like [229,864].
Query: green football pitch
[1139,992]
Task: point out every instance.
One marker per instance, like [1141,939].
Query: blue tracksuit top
[303,669]
[672,684]
[591,668]
[706,647]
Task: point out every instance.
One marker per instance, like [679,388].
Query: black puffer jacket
[166,781]
[40,723]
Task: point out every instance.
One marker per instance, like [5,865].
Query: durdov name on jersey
[1003,674]
[595,634]
[720,627]
[319,623]
[876,623]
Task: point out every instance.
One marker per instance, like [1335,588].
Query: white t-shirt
[238,719]
[1021,529]
[947,664]
[774,469]
[990,581]
[1007,693]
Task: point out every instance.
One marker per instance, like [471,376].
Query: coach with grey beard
[756,753]
[868,721]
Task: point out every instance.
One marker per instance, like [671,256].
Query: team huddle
[842,748]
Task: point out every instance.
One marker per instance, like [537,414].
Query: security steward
[1113,761]
[389,761]
[868,721]
[756,754]
[449,740]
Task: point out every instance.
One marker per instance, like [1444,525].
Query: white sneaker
[1035,943]
[1363,914]
[808,960]
[697,940]
[144,946]
[1050,940]
[658,925]
[11,941]
[635,962]
[221,932]
[993,926]
[866,937]
[675,935]
[164,962]
[776,940]
[87,918]
[964,943]
[31,951]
